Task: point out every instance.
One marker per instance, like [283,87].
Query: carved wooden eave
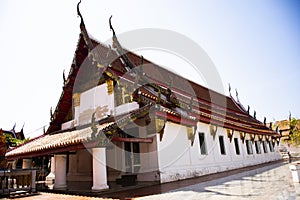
[243,136]
[137,140]
[278,140]
[213,130]
[230,134]
[252,138]
[260,138]
[160,125]
[191,132]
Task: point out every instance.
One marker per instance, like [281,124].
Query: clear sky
[255,46]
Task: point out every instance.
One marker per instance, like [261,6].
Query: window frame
[249,147]
[222,145]
[203,149]
[271,146]
[265,147]
[257,147]
[236,146]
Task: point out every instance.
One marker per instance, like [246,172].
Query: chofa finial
[111,27]
[78,12]
[237,95]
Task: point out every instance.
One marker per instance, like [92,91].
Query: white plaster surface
[90,100]
[126,107]
[60,171]
[99,169]
[179,160]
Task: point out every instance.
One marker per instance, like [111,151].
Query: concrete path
[51,196]
[273,181]
[269,182]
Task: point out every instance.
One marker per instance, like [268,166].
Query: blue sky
[255,46]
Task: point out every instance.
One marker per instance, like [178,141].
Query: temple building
[122,119]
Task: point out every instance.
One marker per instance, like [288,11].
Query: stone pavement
[51,196]
[269,182]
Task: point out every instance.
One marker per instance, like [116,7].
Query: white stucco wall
[177,159]
[96,99]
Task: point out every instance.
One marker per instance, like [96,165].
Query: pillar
[27,163]
[33,184]
[51,176]
[60,171]
[99,169]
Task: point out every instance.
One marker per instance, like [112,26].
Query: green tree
[294,132]
[11,141]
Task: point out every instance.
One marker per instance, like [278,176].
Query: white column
[51,175]
[60,171]
[33,177]
[26,163]
[99,169]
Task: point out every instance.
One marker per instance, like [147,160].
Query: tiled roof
[48,142]
[205,100]
[59,142]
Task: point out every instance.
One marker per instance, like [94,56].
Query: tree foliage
[294,132]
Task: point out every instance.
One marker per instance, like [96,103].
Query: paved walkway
[269,182]
[51,196]
[273,181]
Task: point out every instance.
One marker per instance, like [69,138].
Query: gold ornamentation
[191,134]
[252,138]
[230,134]
[76,99]
[110,86]
[160,127]
[243,136]
[213,130]
[278,141]
[260,138]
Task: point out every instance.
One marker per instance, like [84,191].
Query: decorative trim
[278,141]
[213,130]
[243,136]
[110,86]
[76,99]
[260,138]
[252,138]
[160,125]
[268,138]
[138,140]
[273,142]
[191,131]
[230,134]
